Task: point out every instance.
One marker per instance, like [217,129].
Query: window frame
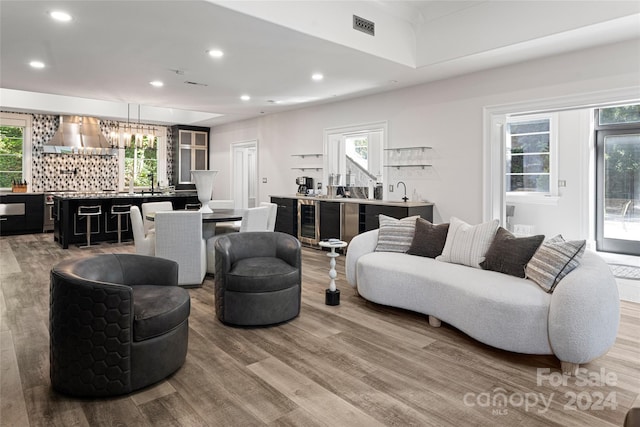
[535,197]
[24,121]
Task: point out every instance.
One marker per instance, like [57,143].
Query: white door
[244,186]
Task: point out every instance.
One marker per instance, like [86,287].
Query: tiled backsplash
[55,172]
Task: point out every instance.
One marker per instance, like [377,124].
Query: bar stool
[119,211]
[88,212]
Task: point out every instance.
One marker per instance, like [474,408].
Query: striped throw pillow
[553,260]
[467,244]
[395,235]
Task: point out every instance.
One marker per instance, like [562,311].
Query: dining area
[188,236]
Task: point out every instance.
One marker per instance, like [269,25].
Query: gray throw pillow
[395,235]
[428,241]
[509,254]
[553,260]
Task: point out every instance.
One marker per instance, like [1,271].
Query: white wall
[446,115]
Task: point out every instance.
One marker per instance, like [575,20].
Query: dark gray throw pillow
[428,240]
[509,254]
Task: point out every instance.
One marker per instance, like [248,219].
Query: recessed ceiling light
[216,53]
[317,77]
[245,97]
[156,83]
[59,15]
[37,64]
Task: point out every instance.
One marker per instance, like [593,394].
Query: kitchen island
[69,228]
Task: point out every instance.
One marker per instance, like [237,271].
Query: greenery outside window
[15,149]
[530,147]
[141,161]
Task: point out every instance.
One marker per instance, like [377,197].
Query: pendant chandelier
[130,132]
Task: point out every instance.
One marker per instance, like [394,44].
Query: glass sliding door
[618,180]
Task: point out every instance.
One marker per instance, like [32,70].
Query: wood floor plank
[310,396]
[358,363]
[13,409]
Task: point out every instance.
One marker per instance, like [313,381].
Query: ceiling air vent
[364,25]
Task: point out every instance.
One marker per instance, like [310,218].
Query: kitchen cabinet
[69,228]
[21,213]
[330,220]
[190,152]
[287,215]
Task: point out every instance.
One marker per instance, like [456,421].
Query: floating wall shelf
[407,166]
[306,155]
[407,148]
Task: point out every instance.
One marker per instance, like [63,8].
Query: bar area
[80,218]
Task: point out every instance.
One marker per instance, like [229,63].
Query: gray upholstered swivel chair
[117,323]
[258,278]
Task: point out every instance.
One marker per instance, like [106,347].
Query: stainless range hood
[78,134]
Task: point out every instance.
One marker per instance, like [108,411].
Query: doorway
[618,179]
[244,170]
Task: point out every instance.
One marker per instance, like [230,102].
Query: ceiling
[103,59]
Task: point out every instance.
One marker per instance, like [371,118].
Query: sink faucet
[405,198]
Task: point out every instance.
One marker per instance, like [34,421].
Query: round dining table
[209,219]
[218,215]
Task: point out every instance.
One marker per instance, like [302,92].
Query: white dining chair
[152,207]
[179,238]
[225,227]
[273,213]
[253,219]
[145,243]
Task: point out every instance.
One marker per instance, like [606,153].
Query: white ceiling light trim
[36,64]
[60,16]
[215,53]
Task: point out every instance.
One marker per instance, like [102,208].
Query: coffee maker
[304,183]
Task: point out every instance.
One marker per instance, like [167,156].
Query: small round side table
[332,295]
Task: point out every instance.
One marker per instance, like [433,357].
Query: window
[530,151]
[143,160]
[15,149]
[357,148]
[141,163]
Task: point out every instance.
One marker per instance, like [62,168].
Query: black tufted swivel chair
[117,323]
[258,278]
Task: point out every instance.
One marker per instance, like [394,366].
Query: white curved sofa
[578,322]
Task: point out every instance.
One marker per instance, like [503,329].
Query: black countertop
[111,195]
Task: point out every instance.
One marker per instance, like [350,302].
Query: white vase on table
[204,186]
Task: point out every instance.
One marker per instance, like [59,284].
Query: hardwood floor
[356,364]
